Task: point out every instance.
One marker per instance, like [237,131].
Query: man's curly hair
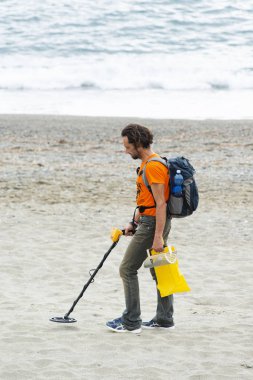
[138,135]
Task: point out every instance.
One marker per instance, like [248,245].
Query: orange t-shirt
[156,173]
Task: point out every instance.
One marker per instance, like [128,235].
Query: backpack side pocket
[175,205]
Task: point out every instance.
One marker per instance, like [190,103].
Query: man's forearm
[137,216]
[160,219]
[158,194]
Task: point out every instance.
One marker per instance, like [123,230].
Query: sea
[135,58]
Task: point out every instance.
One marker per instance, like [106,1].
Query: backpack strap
[143,172]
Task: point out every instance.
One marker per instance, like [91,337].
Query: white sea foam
[182,71]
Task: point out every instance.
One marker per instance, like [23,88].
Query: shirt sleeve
[156,173]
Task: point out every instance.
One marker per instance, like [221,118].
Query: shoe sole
[158,327]
[137,331]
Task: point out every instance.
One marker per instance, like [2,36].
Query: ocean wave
[181,72]
[219,86]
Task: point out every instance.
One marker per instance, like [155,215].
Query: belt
[146,217]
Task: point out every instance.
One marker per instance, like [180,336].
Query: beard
[135,155]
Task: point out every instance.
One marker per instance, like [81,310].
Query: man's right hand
[129,230]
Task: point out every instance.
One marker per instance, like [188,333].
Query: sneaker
[116,320]
[153,325]
[117,326]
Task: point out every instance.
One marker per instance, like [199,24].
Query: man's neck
[145,154]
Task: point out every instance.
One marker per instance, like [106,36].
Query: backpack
[187,203]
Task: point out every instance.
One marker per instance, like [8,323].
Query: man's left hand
[158,244]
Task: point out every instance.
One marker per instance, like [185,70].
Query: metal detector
[115,235]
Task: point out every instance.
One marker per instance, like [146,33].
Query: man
[152,232]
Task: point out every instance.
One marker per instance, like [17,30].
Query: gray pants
[134,257]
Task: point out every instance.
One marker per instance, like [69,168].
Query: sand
[65,182]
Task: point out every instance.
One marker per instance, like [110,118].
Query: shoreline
[167,119]
[220,104]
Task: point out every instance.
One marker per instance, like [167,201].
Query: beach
[65,182]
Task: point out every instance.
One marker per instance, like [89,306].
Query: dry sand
[64,183]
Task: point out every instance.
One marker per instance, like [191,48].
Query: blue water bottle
[178,184]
